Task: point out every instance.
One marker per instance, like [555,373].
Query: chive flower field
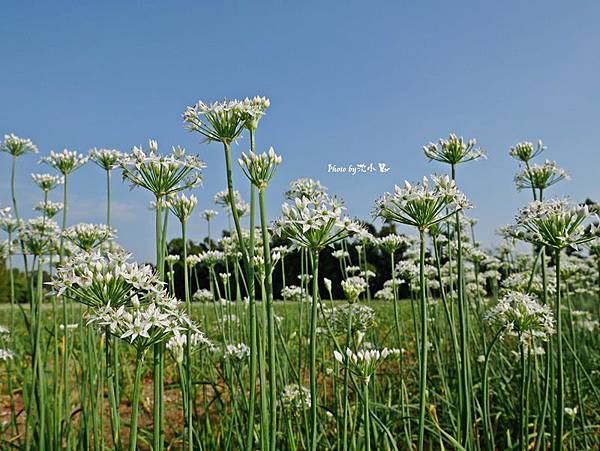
[315,331]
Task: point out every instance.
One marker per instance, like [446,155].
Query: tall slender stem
[135,402]
[313,350]
[560,383]
[423,343]
[270,320]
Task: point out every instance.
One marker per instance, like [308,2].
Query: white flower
[47,182]
[182,205]
[239,352]
[16,146]
[421,206]
[520,315]
[540,176]
[315,223]
[89,236]
[65,162]
[260,169]
[107,159]
[6,354]
[209,214]
[353,287]
[364,363]
[525,151]
[305,187]
[453,150]
[202,295]
[295,398]
[162,175]
[555,224]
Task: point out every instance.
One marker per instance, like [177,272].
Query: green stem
[135,401]
[313,351]
[367,415]
[270,320]
[560,384]
[423,343]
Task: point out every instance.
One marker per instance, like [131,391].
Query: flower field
[314,331]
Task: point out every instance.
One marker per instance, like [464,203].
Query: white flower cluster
[294,293]
[5,354]
[16,146]
[315,223]
[202,295]
[211,258]
[171,259]
[365,362]
[555,223]
[260,168]
[305,187]
[540,176]
[521,315]
[222,199]
[525,151]
[421,206]
[107,159]
[145,321]
[295,399]
[162,175]
[99,280]
[353,287]
[182,205]
[453,150]
[239,352]
[48,208]
[361,317]
[47,182]
[224,121]
[7,222]
[66,161]
[209,214]
[178,341]
[392,242]
[39,235]
[88,237]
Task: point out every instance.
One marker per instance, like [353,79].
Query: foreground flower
[182,205]
[162,175]
[66,161]
[39,236]
[353,287]
[47,182]
[521,315]
[88,237]
[420,205]
[219,121]
[453,150]
[107,159]
[99,280]
[16,146]
[540,176]
[555,223]
[260,168]
[49,209]
[315,224]
[525,151]
[305,187]
[364,363]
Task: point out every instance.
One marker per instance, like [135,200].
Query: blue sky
[349,82]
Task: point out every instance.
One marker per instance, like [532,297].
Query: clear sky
[349,82]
